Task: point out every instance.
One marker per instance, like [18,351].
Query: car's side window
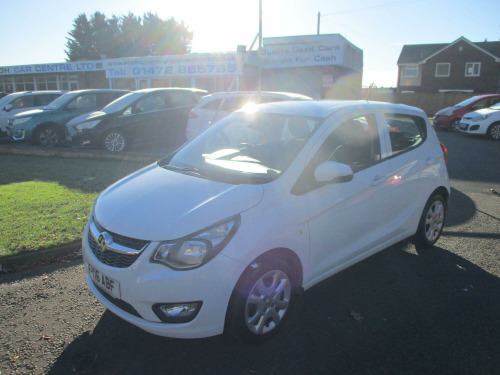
[25,101]
[405,131]
[87,101]
[181,98]
[153,102]
[355,142]
[213,104]
[42,100]
[235,103]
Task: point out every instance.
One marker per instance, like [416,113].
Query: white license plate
[108,284]
[463,126]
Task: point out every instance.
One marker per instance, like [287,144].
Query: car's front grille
[111,257]
[125,306]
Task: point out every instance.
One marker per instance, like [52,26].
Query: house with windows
[460,66]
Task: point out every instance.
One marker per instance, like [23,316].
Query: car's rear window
[405,131]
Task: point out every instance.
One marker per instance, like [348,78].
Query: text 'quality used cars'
[224,234]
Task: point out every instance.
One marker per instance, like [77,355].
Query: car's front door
[347,219]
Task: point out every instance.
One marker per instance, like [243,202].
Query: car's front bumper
[473,127]
[144,284]
[16,134]
[442,121]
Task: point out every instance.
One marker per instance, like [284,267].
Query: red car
[449,118]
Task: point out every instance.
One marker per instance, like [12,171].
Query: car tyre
[431,222]
[264,298]
[114,141]
[47,136]
[494,131]
[455,125]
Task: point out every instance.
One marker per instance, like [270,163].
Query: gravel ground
[398,312]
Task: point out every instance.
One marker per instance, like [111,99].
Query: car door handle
[378,179]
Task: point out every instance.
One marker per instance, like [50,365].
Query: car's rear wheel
[47,136]
[114,141]
[494,131]
[262,301]
[431,222]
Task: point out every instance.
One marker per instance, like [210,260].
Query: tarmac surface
[398,312]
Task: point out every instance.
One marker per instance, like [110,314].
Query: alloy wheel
[48,137]
[434,221]
[267,302]
[114,142]
[495,132]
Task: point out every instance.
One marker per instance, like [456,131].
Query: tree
[126,36]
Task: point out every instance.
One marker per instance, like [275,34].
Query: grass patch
[45,202]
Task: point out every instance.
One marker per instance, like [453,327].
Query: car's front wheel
[114,141]
[47,136]
[494,131]
[262,301]
[455,125]
[431,222]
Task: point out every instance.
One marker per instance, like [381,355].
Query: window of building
[472,69]
[405,132]
[443,70]
[411,71]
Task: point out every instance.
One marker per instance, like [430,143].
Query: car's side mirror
[331,171]
[8,107]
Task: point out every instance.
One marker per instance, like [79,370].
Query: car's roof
[20,93]
[172,89]
[324,108]
[97,90]
[278,94]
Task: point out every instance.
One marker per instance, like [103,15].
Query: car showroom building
[321,66]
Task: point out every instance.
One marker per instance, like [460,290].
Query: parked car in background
[449,118]
[22,102]
[225,233]
[216,106]
[45,127]
[151,115]
[486,121]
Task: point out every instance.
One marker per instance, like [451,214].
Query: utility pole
[259,68]
[319,19]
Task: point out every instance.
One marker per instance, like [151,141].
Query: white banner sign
[84,66]
[203,64]
[307,54]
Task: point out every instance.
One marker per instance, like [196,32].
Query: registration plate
[108,284]
[463,126]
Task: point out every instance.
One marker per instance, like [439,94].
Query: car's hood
[441,111]
[156,204]
[85,117]
[33,112]
[480,112]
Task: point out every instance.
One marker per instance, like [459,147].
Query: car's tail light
[192,115]
[445,152]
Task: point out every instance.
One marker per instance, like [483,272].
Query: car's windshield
[122,102]
[496,106]
[246,147]
[466,102]
[62,100]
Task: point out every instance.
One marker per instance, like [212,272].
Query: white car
[24,101]
[485,121]
[224,234]
[213,107]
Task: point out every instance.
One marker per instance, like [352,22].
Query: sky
[35,31]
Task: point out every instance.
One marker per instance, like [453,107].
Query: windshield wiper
[185,170]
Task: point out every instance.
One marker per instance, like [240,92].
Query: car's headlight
[482,117]
[197,249]
[87,125]
[19,121]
